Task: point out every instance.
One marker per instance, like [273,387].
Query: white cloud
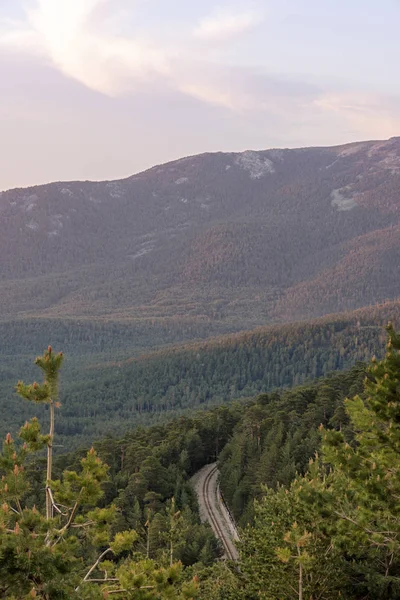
[212,94]
[74,36]
[63,32]
[17,36]
[82,40]
[20,39]
[224,25]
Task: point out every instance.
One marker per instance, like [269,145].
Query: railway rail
[214,518]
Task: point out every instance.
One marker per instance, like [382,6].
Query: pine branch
[19,506]
[49,491]
[102,580]
[370,531]
[69,523]
[81,525]
[93,567]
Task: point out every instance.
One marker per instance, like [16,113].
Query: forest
[311,474]
[153,386]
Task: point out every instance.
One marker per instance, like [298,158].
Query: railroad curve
[213,510]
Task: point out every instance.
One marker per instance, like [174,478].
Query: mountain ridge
[236,239]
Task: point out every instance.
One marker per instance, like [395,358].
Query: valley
[221,338]
[147,283]
[199,300]
[152,386]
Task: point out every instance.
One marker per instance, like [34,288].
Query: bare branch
[102,580]
[92,568]
[19,506]
[69,523]
[370,531]
[143,587]
[54,504]
[71,517]
[80,525]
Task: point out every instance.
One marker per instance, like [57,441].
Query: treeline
[154,387]
[319,520]
[332,530]
[90,338]
[150,466]
[278,433]
[262,441]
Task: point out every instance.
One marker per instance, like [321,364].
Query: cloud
[76,37]
[64,33]
[17,36]
[82,40]
[246,90]
[224,25]
[371,115]
[19,39]
[73,36]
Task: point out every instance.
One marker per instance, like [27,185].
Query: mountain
[209,244]
[205,246]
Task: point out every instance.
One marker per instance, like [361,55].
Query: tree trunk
[300,576]
[49,504]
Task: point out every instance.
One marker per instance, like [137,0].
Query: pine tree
[46,393]
[286,553]
[66,552]
[336,530]
[356,485]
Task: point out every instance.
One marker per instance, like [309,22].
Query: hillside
[154,386]
[186,252]
[221,241]
[277,449]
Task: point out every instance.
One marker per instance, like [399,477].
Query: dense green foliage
[146,491]
[334,532]
[277,435]
[318,521]
[153,387]
[73,548]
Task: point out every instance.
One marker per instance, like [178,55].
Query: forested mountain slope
[152,387]
[209,245]
[278,434]
[311,472]
[225,241]
[148,483]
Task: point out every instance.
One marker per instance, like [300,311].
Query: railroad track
[212,517]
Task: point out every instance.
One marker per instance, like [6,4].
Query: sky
[101,89]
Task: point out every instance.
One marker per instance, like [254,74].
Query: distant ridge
[228,240]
